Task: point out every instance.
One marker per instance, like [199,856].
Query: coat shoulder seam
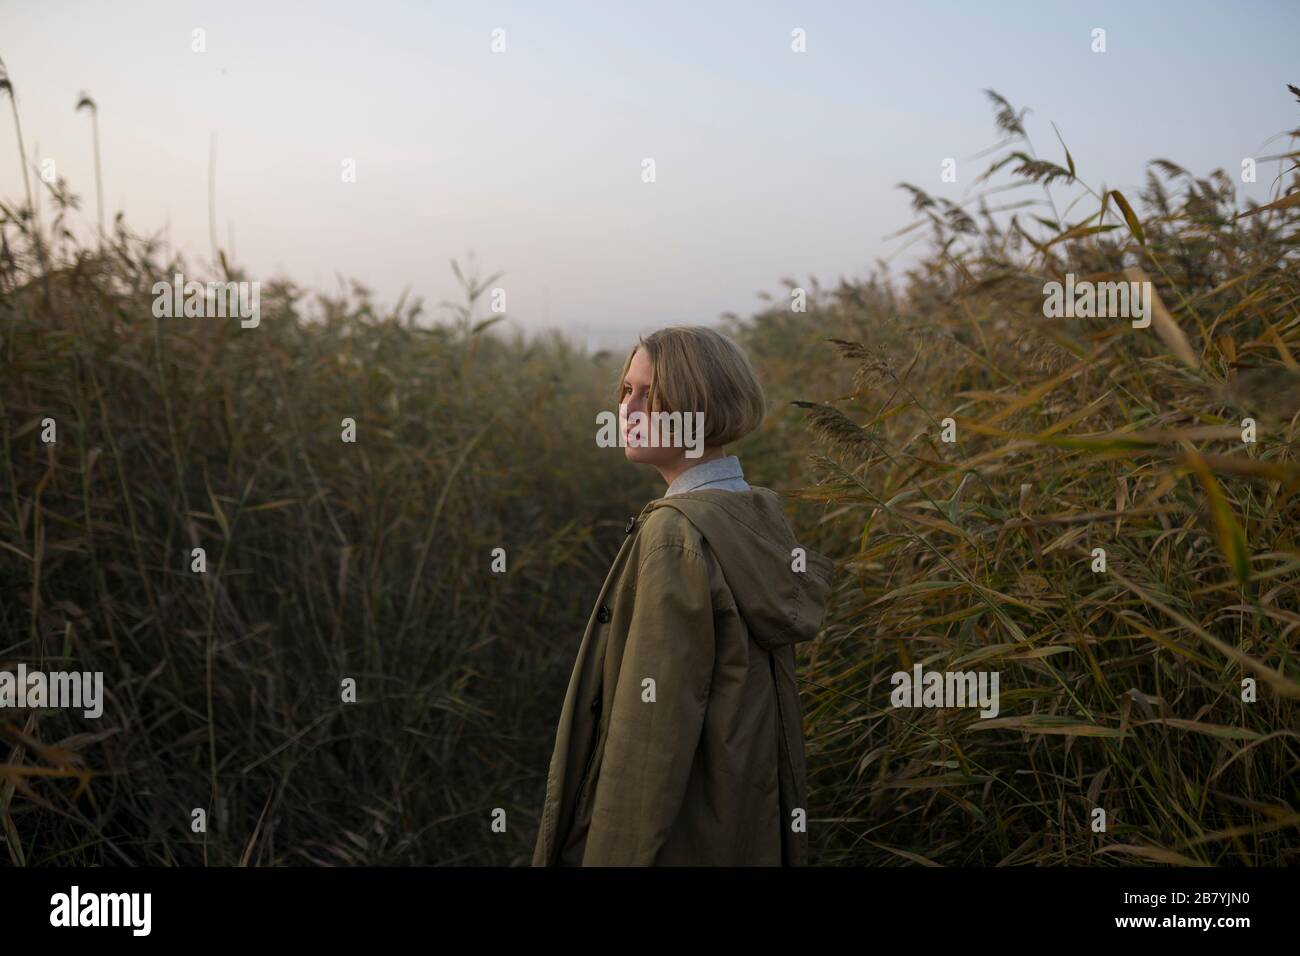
[686,549]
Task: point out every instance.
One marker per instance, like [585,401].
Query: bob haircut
[697,369]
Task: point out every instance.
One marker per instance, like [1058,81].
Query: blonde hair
[697,369]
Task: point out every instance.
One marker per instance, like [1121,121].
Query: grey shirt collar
[721,472]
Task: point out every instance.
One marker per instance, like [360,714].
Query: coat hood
[748,533]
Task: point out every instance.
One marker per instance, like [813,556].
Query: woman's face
[636,392]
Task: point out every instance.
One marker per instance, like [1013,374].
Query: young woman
[681,737]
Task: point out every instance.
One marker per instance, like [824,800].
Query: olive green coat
[681,737]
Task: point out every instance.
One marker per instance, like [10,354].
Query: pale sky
[768,163]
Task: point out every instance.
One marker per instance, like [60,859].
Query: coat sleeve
[650,745]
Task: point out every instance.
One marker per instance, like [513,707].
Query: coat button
[595,704]
[603,615]
[631,523]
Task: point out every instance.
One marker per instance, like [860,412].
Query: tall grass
[1121,690]
[326,561]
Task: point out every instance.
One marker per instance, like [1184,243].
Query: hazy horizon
[769,163]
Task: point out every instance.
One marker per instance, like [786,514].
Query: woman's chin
[642,456]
